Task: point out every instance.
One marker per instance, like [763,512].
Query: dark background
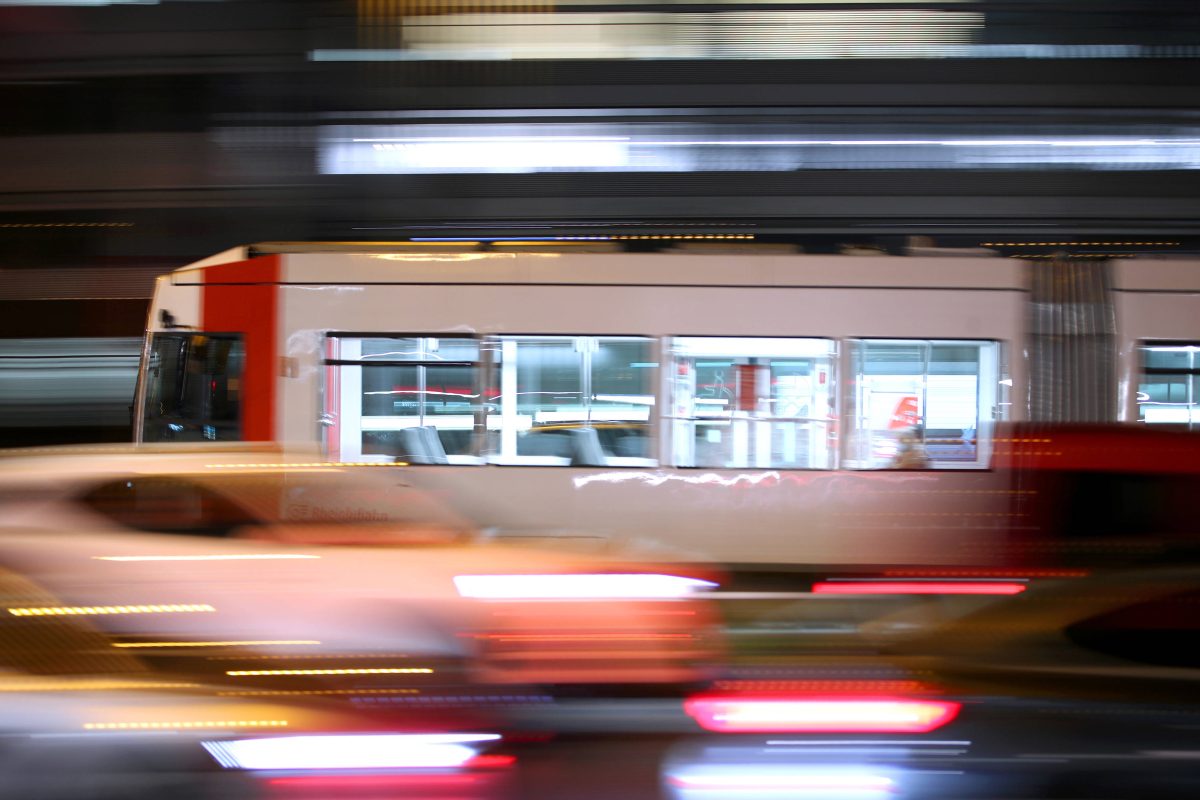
[136,138]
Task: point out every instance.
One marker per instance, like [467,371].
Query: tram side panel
[727,515]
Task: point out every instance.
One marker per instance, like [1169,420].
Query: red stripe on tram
[243,297]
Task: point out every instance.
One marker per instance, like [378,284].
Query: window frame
[850,415]
[205,424]
[332,403]
[669,406]
[661,435]
[1143,348]
[488,373]
[494,377]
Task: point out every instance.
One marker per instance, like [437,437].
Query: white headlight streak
[578,587]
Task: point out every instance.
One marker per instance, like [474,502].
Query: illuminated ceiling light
[918,587]
[816,714]
[217,644]
[62,611]
[577,587]
[185,725]
[489,139]
[499,153]
[246,557]
[364,671]
[367,751]
[640,148]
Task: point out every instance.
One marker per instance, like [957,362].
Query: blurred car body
[266,554]
[1082,687]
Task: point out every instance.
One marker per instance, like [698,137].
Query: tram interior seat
[632,446]
[951,444]
[433,445]
[412,447]
[579,446]
[421,445]
[539,443]
[585,448]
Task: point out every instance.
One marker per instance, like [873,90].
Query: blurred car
[1084,687]
[325,572]
[225,491]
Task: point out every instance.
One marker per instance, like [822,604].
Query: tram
[707,402]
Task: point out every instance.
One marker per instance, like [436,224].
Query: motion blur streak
[68,685]
[597,587]
[584,637]
[72,611]
[917,587]
[376,751]
[736,781]
[244,643]
[819,714]
[247,557]
[185,724]
[373,671]
[375,783]
[426,785]
[751,782]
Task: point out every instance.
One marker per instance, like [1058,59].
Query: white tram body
[739,407]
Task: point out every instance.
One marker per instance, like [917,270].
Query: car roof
[250,474]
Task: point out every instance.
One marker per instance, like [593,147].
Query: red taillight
[819,714]
[917,587]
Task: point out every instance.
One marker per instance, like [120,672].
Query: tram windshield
[193,387]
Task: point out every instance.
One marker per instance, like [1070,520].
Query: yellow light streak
[245,557]
[308,656]
[476,255]
[315,692]
[546,244]
[218,644]
[237,673]
[686,236]
[186,724]
[1077,244]
[71,611]
[88,686]
[318,465]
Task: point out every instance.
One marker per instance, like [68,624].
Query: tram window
[405,398]
[922,403]
[193,387]
[571,401]
[752,402]
[1169,385]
